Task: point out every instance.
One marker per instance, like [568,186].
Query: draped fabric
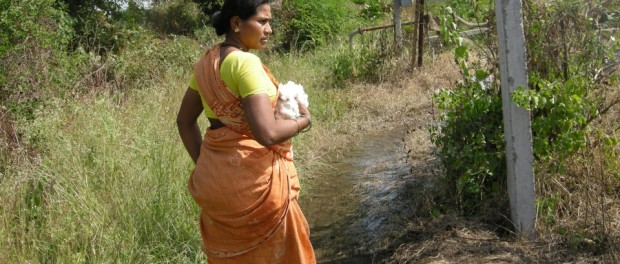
[247,192]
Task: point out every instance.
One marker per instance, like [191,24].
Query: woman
[244,181]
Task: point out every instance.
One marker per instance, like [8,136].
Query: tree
[209,6]
[82,8]
[98,23]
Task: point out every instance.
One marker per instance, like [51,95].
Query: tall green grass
[102,175]
[109,185]
[99,174]
[91,165]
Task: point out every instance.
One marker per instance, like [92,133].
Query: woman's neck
[233,42]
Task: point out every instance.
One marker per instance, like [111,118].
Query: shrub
[176,17]
[33,19]
[375,9]
[568,90]
[34,36]
[149,60]
[309,24]
[470,142]
[363,63]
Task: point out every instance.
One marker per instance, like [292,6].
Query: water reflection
[363,200]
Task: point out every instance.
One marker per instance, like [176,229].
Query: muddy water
[354,209]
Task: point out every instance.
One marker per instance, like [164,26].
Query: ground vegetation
[91,169]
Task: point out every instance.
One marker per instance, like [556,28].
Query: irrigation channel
[364,201]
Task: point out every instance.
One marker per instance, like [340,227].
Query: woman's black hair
[244,9]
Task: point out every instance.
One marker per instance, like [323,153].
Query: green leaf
[481,75]
[461,52]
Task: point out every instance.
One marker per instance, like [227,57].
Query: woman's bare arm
[191,108]
[268,130]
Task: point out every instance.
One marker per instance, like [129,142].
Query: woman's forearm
[191,108]
[190,135]
[285,129]
[268,130]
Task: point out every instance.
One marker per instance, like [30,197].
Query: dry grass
[583,226]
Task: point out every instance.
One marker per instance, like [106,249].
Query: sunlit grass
[108,185]
[107,180]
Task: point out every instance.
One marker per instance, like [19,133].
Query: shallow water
[362,202]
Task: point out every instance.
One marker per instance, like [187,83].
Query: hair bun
[216,19]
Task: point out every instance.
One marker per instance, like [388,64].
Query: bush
[149,60]
[307,24]
[34,37]
[568,90]
[364,63]
[33,19]
[176,17]
[375,9]
[470,141]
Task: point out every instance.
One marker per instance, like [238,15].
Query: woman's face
[254,32]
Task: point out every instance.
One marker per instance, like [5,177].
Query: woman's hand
[303,110]
[267,127]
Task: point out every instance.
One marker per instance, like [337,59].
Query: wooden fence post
[414,48]
[421,27]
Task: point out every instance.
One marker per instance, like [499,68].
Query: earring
[236,30]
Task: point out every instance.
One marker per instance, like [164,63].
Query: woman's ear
[235,24]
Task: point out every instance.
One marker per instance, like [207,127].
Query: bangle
[298,127]
[307,128]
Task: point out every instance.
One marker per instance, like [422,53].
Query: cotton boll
[302,96]
[287,105]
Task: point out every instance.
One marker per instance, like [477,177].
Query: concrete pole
[517,127]
[398,30]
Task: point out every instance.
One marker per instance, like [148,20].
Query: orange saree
[247,192]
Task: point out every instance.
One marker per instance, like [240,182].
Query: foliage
[97,24]
[469,132]
[567,91]
[209,6]
[469,138]
[310,24]
[563,30]
[23,20]
[177,17]
[34,36]
[107,184]
[568,86]
[374,9]
[82,9]
[363,63]
[561,113]
[147,60]
[472,10]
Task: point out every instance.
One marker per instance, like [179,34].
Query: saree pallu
[247,192]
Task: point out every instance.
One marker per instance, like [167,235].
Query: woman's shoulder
[242,57]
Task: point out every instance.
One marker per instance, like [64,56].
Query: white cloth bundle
[287,105]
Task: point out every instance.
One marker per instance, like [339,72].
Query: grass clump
[108,183]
